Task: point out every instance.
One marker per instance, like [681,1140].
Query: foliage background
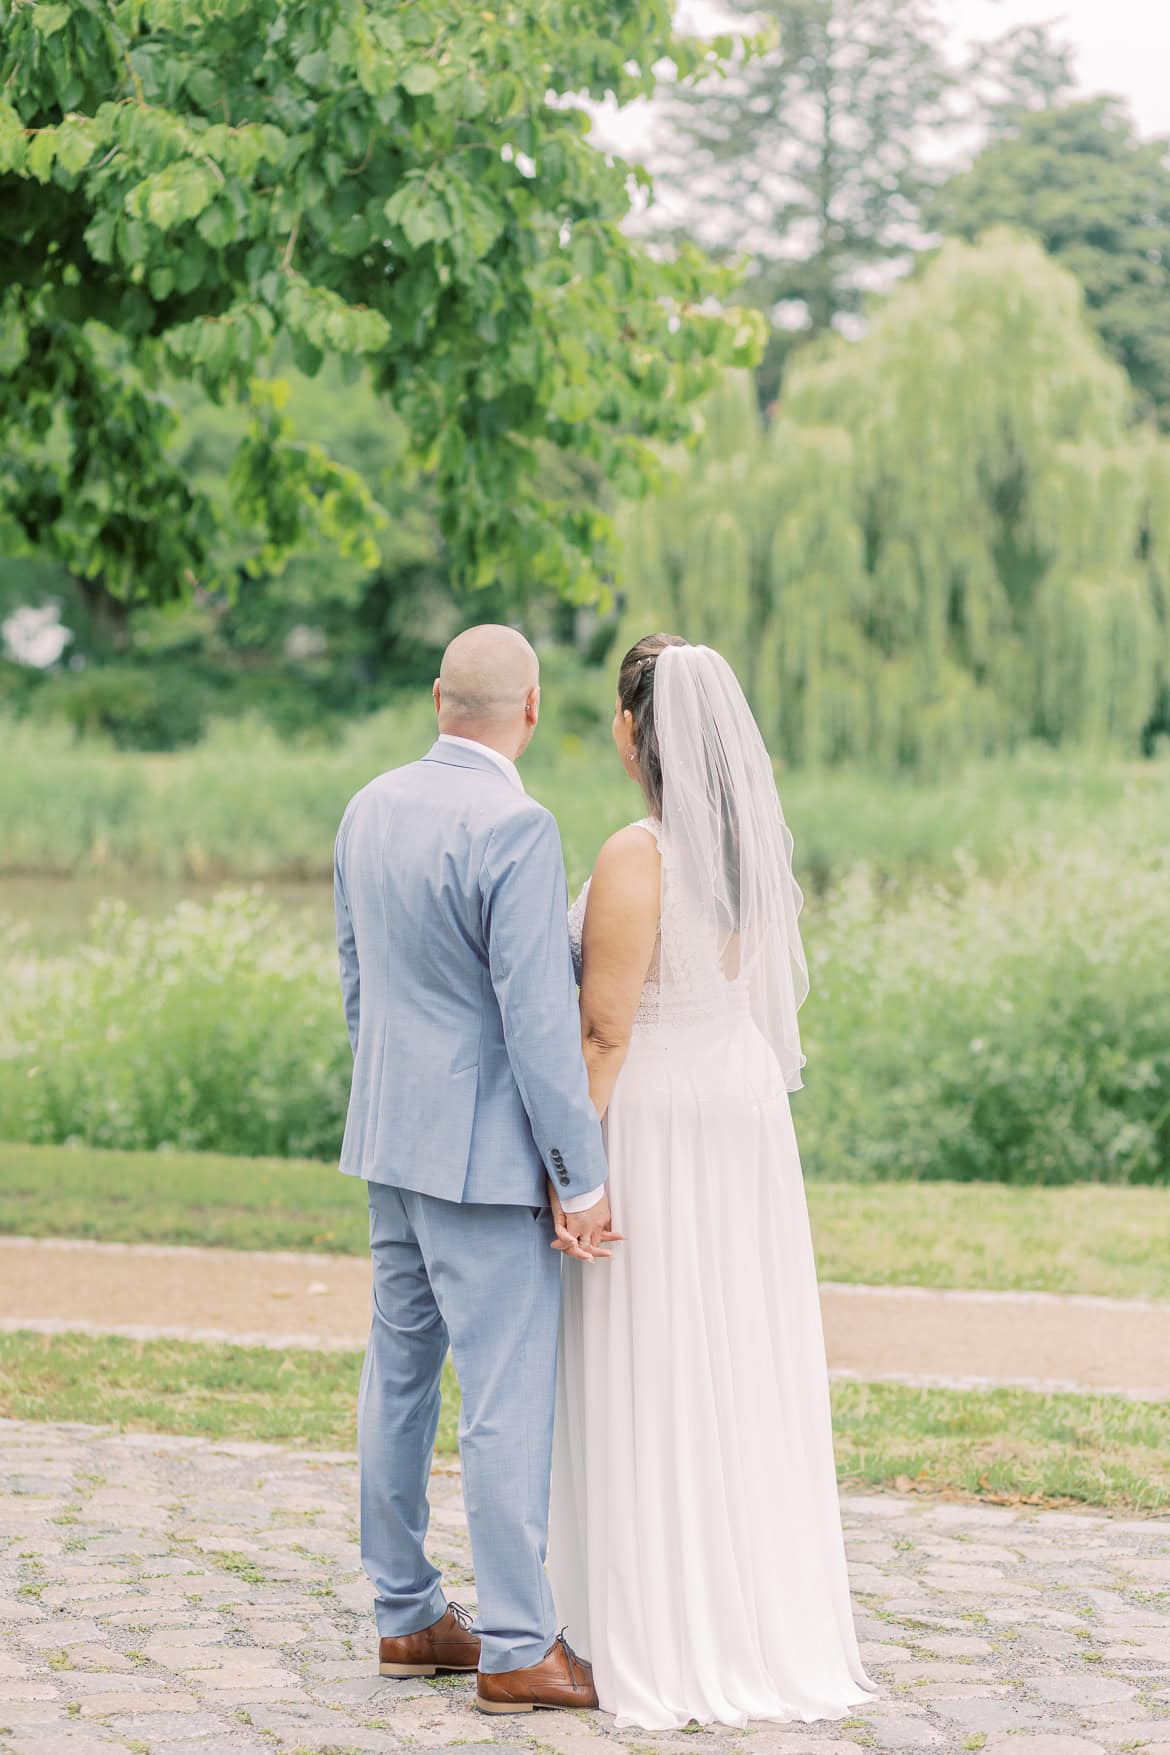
[1014,1031]
[325,331]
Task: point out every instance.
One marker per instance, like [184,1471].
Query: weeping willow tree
[953,538]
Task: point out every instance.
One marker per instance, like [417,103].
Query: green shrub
[136,708]
[20,684]
[214,1028]
[1016,1031]
[166,704]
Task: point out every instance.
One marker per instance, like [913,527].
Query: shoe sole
[525,1706]
[427,1669]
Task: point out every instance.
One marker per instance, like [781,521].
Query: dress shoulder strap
[652,826]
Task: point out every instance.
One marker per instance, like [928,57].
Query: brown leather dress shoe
[561,1678]
[448,1645]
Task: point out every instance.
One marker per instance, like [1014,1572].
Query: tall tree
[952,538]
[1028,68]
[185,182]
[1098,198]
[811,158]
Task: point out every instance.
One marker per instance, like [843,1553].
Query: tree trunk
[823,304]
[109,616]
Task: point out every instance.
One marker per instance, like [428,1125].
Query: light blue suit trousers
[485,1280]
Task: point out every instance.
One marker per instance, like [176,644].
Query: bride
[696,1551]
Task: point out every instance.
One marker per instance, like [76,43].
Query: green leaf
[41,153]
[204,85]
[13,145]
[476,223]
[588,253]
[163,206]
[13,341]
[48,20]
[191,265]
[306,357]
[506,94]
[99,236]
[216,227]
[574,402]
[274,141]
[74,148]
[421,213]
[420,78]
[313,69]
[352,238]
[131,241]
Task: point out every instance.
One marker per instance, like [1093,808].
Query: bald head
[489,688]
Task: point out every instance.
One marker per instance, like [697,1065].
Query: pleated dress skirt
[696,1550]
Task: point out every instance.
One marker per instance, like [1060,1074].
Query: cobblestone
[166,1596]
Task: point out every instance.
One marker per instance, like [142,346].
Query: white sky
[1122,46]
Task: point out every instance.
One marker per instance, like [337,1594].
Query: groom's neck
[505,740]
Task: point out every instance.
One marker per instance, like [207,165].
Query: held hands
[584,1235]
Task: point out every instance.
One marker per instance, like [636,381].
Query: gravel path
[1035,1339]
[169,1596]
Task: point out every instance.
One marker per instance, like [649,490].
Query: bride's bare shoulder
[631,848]
[622,918]
[629,863]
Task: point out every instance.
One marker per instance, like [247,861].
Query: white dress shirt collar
[506,767]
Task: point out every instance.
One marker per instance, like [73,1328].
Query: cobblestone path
[172,1596]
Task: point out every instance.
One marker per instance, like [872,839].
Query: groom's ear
[531,705]
[437,696]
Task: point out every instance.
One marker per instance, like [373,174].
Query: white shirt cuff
[580,1203]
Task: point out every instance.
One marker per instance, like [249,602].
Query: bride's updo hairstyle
[636,694]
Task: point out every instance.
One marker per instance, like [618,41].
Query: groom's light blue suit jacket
[468,1080]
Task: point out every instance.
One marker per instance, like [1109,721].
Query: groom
[469,1090]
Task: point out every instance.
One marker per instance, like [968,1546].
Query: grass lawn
[1114,1242]
[179,1197]
[1086,1238]
[1000,1444]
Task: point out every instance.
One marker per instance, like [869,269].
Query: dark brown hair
[636,694]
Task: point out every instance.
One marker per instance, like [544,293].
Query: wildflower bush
[216,1027]
[1015,1029]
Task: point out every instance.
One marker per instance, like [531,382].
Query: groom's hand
[584,1235]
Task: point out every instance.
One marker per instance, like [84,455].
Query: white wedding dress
[696,1552]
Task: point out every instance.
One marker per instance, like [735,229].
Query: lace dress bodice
[647,1013]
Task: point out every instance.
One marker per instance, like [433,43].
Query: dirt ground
[963,1338]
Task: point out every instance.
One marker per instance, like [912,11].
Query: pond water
[58,910]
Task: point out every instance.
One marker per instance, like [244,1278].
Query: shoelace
[464,1618]
[574,1660]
